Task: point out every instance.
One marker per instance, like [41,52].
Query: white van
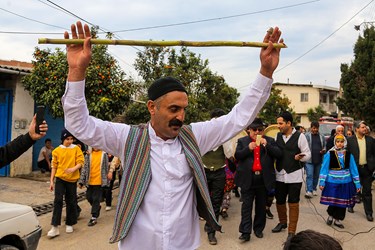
[19,227]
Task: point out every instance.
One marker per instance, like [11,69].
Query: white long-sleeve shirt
[167,217]
[296,176]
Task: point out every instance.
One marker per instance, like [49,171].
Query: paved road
[358,232]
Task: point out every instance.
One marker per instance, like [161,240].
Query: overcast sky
[323,29]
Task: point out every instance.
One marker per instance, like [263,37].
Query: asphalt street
[357,234]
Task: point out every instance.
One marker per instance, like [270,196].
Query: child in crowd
[339,180]
[114,166]
[45,156]
[230,168]
[67,159]
[94,177]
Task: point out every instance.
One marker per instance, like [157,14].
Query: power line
[49,5]
[29,33]
[325,39]
[84,20]
[58,7]
[215,19]
[67,11]
[62,9]
[33,20]
[314,47]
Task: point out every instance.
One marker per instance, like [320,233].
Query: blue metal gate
[6,100]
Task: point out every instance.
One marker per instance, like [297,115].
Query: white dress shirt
[167,217]
[296,176]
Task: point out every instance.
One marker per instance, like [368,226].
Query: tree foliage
[107,89]
[358,80]
[275,104]
[315,113]
[207,90]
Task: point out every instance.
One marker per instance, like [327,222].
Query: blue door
[5,122]
[55,125]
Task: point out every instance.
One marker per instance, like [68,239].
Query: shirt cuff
[261,81]
[75,89]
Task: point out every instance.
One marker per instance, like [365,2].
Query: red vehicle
[327,123]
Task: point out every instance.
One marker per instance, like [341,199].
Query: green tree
[315,113]
[107,89]
[207,90]
[358,80]
[275,104]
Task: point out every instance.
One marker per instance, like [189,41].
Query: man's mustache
[175,122]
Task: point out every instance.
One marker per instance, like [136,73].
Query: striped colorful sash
[135,180]
[137,177]
[194,159]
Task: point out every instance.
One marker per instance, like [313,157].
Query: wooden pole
[161,43]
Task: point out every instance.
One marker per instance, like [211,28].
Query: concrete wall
[293,93]
[23,111]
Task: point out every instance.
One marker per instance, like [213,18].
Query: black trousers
[257,193]
[290,190]
[69,190]
[365,177]
[216,183]
[43,165]
[94,196]
[338,213]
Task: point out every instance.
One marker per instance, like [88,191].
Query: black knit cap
[64,134]
[163,86]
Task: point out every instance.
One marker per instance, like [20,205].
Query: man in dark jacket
[255,176]
[362,147]
[12,150]
[214,163]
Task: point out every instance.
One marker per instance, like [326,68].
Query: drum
[271,131]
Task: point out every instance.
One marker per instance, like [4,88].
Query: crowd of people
[259,165]
[174,174]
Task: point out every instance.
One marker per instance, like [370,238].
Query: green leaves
[358,80]
[274,105]
[315,113]
[107,89]
[207,90]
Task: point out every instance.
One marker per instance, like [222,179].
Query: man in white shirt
[289,172]
[167,217]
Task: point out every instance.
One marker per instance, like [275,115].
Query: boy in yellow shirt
[94,177]
[67,159]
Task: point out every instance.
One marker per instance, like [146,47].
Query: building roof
[316,86]
[16,66]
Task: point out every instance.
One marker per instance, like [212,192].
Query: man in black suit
[362,147]
[13,149]
[255,176]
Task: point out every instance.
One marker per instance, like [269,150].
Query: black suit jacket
[353,148]
[245,159]
[12,150]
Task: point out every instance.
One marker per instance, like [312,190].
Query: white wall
[23,109]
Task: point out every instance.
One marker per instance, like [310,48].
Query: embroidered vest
[137,177]
[334,162]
